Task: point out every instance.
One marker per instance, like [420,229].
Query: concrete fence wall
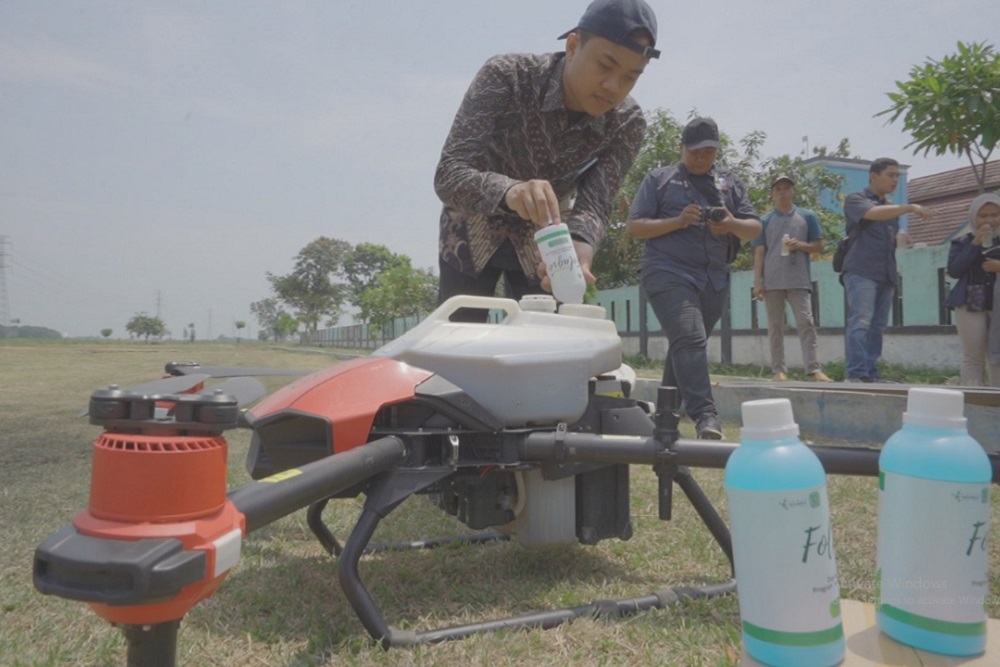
[921,332]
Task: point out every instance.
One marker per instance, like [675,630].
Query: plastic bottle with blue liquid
[786,573]
[934,514]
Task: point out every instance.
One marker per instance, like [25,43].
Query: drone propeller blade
[183,369]
[170,385]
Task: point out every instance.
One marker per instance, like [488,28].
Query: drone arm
[273,497]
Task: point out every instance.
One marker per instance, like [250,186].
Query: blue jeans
[687,316]
[868,305]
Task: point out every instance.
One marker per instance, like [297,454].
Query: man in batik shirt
[541,139]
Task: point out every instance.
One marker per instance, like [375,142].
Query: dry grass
[281,605]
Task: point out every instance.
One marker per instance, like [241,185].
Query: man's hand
[534,200]
[724,226]
[991,265]
[922,212]
[691,215]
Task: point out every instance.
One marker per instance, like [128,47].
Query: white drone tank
[531,368]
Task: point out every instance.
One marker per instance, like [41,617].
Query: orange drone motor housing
[164,486]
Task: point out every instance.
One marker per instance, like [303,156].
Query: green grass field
[281,605]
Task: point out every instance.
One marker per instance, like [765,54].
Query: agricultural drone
[162,530]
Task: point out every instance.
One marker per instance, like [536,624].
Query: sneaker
[780,376]
[708,428]
[819,376]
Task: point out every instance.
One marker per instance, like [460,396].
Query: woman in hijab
[974,259]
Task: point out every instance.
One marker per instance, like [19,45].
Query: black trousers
[452,283]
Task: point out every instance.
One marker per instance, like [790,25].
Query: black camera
[713,213]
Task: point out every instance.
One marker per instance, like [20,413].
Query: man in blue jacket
[870,274]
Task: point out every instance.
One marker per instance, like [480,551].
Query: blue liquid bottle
[786,573]
[934,506]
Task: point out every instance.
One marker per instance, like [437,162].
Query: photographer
[693,217]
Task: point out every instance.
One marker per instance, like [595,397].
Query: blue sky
[165,156]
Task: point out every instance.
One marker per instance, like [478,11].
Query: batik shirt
[513,126]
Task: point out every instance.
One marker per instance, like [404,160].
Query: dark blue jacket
[965,262]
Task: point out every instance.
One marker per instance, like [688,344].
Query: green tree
[266,311]
[239,324]
[310,289]
[616,263]
[952,105]
[275,323]
[285,326]
[145,326]
[191,335]
[399,291]
[364,264]
[106,333]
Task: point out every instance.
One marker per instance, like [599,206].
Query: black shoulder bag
[840,254]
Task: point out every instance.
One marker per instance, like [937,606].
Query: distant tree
[399,291]
[285,326]
[106,333]
[952,105]
[266,311]
[843,149]
[364,264]
[275,323]
[616,263]
[145,326]
[310,288]
[239,324]
[191,332]
[18,330]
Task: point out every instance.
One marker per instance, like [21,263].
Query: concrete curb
[866,417]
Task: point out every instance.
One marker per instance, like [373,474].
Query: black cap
[616,20]
[701,133]
[782,177]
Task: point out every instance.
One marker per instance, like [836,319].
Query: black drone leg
[152,645]
[350,580]
[314,518]
[706,510]
[385,494]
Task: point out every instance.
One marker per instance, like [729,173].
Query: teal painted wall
[855,179]
[918,267]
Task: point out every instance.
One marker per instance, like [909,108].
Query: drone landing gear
[333,547]
[390,488]
[384,497]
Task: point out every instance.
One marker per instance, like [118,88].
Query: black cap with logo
[617,20]
[701,133]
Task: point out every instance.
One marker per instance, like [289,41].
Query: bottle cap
[540,303]
[768,419]
[938,408]
[583,310]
